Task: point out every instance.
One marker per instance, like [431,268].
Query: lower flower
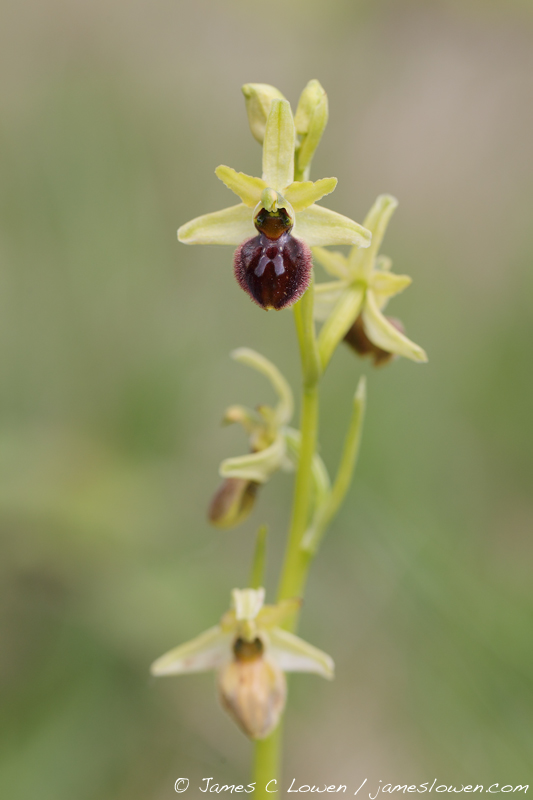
[250,654]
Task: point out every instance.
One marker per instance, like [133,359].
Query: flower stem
[297,560]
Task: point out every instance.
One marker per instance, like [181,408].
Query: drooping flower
[250,654]
[351,306]
[277,220]
[266,428]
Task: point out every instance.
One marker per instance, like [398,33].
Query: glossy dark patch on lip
[273,272]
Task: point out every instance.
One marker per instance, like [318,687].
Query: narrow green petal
[321,226]
[285,407]
[388,283]
[230,226]
[380,331]
[293,654]
[278,147]
[302,194]
[333,262]
[271,616]
[339,322]
[258,98]
[376,221]
[208,651]
[256,466]
[245,186]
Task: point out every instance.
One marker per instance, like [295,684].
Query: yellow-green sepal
[278,146]
[317,225]
[230,226]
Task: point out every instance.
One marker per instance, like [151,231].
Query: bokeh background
[114,344]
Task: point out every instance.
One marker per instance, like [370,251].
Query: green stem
[297,560]
[267,764]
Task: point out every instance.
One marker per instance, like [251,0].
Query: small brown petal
[359,341]
[232,502]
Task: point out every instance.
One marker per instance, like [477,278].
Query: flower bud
[359,341]
[232,502]
[273,268]
[310,120]
[258,98]
[252,689]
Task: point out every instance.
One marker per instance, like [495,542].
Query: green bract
[363,287]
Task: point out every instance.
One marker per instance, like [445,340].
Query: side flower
[277,220]
[351,306]
[250,654]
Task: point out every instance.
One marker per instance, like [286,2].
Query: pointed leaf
[278,147]
[321,226]
[302,194]
[207,651]
[333,262]
[246,187]
[380,331]
[232,225]
[293,654]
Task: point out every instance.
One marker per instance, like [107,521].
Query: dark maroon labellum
[273,268]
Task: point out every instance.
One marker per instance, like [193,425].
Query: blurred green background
[114,367]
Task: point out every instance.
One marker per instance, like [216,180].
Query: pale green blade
[302,194]
[285,407]
[256,466]
[339,322]
[278,147]
[321,226]
[230,226]
[387,283]
[376,221]
[380,331]
[293,654]
[332,261]
[246,187]
[208,651]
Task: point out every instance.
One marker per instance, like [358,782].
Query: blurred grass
[115,374]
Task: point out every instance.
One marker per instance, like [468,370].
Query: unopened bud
[232,502]
[358,340]
[252,689]
[310,120]
[258,98]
